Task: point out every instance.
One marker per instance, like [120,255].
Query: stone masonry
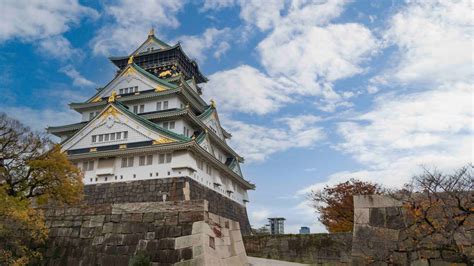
[166,233]
[167,189]
[325,249]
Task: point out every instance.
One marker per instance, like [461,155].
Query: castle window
[165,125]
[106,137]
[136,88]
[141,161]
[165,105]
[149,159]
[142,108]
[168,157]
[127,162]
[125,134]
[200,164]
[91,179]
[172,125]
[158,106]
[105,179]
[112,136]
[121,91]
[101,138]
[94,139]
[161,159]
[134,176]
[88,165]
[135,109]
[208,169]
[151,174]
[119,135]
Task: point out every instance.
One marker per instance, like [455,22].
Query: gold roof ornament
[151,32]
[112,97]
[130,60]
[213,104]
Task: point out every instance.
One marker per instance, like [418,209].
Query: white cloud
[434,40]
[32,20]
[39,119]
[262,13]
[217,4]
[77,78]
[247,90]
[131,22]
[257,142]
[259,216]
[58,47]
[405,132]
[197,45]
[316,56]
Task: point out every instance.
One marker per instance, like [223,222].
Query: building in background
[277,225]
[304,230]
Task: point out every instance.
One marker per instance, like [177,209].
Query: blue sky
[314,92]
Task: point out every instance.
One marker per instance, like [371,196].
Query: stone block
[375,201]
[148,217]
[150,235]
[190,216]
[132,217]
[98,240]
[361,216]
[166,243]
[108,228]
[188,241]
[377,217]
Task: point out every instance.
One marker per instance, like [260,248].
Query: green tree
[33,171]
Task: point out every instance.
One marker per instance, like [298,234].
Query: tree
[440,214]
[335,204]
[33,171]
[437,214]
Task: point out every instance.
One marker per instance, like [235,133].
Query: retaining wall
[166,233]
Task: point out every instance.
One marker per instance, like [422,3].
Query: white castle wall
[178,167]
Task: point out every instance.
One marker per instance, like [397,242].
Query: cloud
[259,217]
[261,13]
[58,47]
[441,52]
[39,119]
[245,89]
[257,142]
[32,20]
[77,79]
[217,4]
[212,39]
[317,56]
[402,133]
[131,22]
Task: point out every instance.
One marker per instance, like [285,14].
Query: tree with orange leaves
[33,171]
[335,204]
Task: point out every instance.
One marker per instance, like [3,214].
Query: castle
[149,127]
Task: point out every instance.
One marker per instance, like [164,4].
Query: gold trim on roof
[112,97]
[163,140]
[97,99]
[159,88]
[151,32]
[130,60]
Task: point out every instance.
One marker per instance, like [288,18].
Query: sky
[313,92]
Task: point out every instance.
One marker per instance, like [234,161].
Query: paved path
[266,262]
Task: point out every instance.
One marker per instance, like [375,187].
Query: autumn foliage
[33,171]
[335,204]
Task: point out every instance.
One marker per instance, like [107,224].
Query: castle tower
[148,135]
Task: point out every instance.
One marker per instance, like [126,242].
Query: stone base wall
[167,189]
[333,249]
[163,233]
[379,235]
